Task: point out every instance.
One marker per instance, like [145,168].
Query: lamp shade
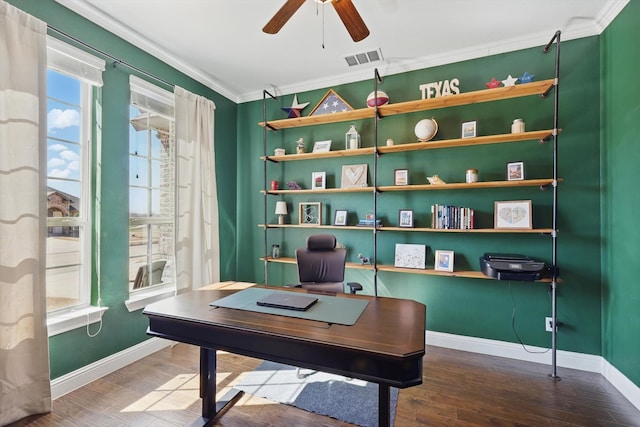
[281,208]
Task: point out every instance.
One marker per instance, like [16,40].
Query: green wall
[479,308]
[621,204]
[121,329]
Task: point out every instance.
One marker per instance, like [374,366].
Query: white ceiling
[221,44]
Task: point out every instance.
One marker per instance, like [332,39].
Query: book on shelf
[447,217]
[369,223]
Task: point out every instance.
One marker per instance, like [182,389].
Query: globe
[426,129]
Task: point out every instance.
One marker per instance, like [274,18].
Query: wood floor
[459,389]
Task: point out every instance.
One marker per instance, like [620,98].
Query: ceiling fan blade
[282,16]
[351,19]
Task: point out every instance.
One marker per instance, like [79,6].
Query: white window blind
[74,62]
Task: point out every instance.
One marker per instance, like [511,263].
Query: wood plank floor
[459,389]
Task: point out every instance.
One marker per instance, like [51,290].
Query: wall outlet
[547,324]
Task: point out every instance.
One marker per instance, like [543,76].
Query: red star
[493,83]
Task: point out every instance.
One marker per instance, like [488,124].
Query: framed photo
[513,214]
[322,146]
[318,180]
[340,218]
[405,218]
[401,177]
[310,213]
[444,261]
[515,171]
[469,129]
[354,176]
[410,256]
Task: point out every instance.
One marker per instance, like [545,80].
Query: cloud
[55,162]
[59,173]
[68,155]
[59,119]
[57,147]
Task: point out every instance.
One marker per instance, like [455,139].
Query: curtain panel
[24,354]
[197,236]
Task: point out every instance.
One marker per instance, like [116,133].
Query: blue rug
[350,400]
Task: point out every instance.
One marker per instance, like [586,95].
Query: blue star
[296,109]
[526,78]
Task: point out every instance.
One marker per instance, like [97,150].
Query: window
[71,76]
[151,190]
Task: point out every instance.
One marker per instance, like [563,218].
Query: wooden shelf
[475,97]
[328,227]
[326,190]
[367,151]
[351,265]
[465,186]
[417,229]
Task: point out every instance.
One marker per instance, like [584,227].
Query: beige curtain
[197,237]
[24,353]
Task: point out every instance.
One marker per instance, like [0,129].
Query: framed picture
[444,261]
[410,256]
[515,171]
[513,214]
[405,218]
[469,129]
[330,103]
[354,176]
[310,213]
[401,177]
[318,180]
[340,218]
[322,146]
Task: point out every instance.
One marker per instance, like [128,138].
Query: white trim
[75,62]
[565,359]
[65,321]
[140,300]
[96,370]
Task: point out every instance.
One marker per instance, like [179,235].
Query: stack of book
[452,217]
[369,223]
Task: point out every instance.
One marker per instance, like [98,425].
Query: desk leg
[384,405]
[211,409]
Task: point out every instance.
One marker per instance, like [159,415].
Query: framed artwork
[444,261]
[401,177]
[322,146]
[340,218]
[514,214]
[515,171]
[354,176]
[469,129]
[410,256]
[405,218]
[330,103]
[318,180]
[310,213]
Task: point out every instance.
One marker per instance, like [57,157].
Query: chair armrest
[354,287]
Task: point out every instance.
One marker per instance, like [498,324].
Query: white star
[510,81]
[296,105]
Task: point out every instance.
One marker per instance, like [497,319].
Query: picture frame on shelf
[515,171]
[322,146]
[444,261]
[410,256]
[469,129]
[318,180]
[401,177]
[310,213]
[340,217]
[405,218]
[513,214]
[354,176]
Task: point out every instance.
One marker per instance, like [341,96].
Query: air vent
[363,58]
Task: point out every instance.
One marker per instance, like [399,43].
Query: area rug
[346,399]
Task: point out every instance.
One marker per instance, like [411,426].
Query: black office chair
[321,265]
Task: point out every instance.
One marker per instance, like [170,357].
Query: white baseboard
[83,376]
[565,359]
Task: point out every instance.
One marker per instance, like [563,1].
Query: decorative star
[493,83]
[526,78]
[510,81]
[296,109]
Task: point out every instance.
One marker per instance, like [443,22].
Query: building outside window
[151,189]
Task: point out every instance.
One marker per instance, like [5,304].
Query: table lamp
[281,210]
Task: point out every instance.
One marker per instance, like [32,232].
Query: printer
[512,267]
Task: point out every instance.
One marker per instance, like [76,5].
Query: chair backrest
[142,276]
[321,264]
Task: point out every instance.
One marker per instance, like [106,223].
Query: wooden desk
[385,346]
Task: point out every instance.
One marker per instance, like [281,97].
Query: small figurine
[364,260]
[435,179]
[293,185]
[300,146]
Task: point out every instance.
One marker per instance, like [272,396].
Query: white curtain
[197,237]
[24,353]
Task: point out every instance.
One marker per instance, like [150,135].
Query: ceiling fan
[345,9]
